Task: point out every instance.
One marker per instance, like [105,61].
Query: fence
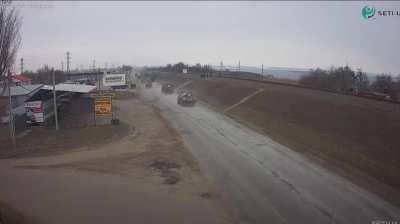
[20,126]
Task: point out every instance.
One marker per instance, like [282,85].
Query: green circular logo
[368,12]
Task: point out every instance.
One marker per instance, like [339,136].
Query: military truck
[186,98]
[168,88]
[148,84]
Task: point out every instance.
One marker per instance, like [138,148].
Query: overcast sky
[287,34]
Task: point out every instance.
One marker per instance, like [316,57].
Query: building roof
[20,90]
[78,88]
[21,77]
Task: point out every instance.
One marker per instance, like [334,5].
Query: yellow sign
[103,105]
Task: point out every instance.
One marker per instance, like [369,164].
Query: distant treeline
[44,74]
[344,79]
[337,79]
[178,67]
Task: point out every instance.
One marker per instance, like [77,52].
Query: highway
[266,181]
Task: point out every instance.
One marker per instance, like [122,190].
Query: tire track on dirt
[243,100]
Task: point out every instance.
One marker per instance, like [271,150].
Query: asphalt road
[266,181]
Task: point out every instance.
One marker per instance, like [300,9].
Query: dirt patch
[153,146]
[167,170]
[206,195]
[45,141]
[9,215]
[153,162]
[125,95]
[356,137]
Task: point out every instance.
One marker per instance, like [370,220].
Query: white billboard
[114,80]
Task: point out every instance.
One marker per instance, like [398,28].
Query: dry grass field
[356,136]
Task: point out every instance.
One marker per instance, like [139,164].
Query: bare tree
[360,81]
[339,79]
[10,38]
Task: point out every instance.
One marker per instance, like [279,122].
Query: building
[89,76]
[40,106]
[21,79]
[18,80]
[18,96]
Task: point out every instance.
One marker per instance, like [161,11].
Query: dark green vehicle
[186,99]
[168,88]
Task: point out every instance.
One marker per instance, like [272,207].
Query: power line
[11,118]
[68,61]
[55,98]
[22,65]
[262,71]
[221,68]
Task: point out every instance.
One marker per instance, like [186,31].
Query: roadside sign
[114,80]
[103,105]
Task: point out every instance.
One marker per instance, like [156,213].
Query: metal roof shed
[77,88]
[20,90]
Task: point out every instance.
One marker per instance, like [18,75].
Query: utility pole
[262,71]
[94,65]
[220,68]
[11,118]
[239,66]
[55,99]
[209,70]
[62,66]
[68,61]
[22,65]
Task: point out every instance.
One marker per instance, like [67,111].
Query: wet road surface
[266,181]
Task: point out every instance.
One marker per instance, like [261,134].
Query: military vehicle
[186,98]
[167,88]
